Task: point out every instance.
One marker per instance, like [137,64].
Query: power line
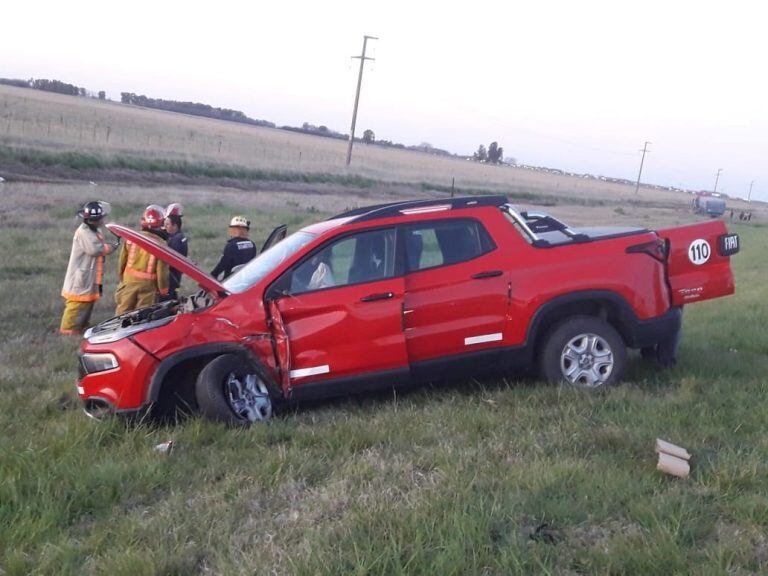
[362,58]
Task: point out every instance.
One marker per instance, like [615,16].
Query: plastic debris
[164,447]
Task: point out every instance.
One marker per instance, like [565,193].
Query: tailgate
[698,262]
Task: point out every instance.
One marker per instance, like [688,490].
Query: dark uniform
[237,251]
[177,242]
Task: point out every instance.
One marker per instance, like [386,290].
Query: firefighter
[83,281]
[238,249]
[176,241]
[143,278]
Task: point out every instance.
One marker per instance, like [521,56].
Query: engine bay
[145,318]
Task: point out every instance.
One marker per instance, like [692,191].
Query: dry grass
[56,122]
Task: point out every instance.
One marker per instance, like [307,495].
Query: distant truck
[712,206]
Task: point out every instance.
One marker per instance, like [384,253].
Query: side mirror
[275,293]
[277,290]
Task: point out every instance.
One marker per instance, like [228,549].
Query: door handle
[375,297]
[487,274]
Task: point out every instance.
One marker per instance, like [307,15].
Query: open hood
[172,258]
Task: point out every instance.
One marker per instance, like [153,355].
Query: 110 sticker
[699,251]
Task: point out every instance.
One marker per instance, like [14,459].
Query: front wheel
[231,389]
[583,351]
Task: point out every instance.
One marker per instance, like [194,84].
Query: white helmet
[240,222]
[173,209]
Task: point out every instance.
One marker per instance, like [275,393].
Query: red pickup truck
[400,293]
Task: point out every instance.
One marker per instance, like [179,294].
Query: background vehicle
[712,206]
[406,292]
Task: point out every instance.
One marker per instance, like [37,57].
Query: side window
[440,243]
[363,257]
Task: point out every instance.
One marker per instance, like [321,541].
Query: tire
[583,351]
[231,389]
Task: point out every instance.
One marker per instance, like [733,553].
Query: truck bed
[586,234]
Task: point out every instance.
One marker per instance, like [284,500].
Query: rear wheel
[231,389]
[583,351]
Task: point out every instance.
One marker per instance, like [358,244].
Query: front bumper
[116,390]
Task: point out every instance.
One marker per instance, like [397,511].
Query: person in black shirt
[238,249]
[177,241]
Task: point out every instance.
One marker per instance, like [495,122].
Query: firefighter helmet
[240,222]
[152,218]
[91,212]
[174,209]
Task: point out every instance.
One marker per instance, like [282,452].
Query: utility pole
[363,58]
[749,196]
[644,151]
[716,179]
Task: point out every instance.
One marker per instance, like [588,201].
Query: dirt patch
[599,536]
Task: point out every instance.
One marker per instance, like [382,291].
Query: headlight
[98,362]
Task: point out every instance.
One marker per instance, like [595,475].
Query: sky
[579,86]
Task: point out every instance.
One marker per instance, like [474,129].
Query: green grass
[83,161]
[450,479]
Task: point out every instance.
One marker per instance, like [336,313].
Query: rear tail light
[656,249]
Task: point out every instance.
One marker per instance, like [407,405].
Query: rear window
[445,242]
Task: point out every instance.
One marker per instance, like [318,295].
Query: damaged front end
[147,318]
[114,368]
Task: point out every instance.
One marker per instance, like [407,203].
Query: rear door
[456,290]
[698,262]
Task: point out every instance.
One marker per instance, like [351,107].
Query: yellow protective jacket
[137,265]
[86,265]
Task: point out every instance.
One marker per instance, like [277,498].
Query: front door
[342,315]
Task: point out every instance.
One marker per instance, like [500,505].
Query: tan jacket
[86,265]
[137,265]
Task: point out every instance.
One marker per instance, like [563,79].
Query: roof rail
[420,207]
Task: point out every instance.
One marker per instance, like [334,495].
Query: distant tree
[102,95]
[57,86]
[480,155]
[193,108]
[16,82]
[369,137]
[495,153]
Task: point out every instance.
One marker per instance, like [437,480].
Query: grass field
[451,479]
[492,477]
